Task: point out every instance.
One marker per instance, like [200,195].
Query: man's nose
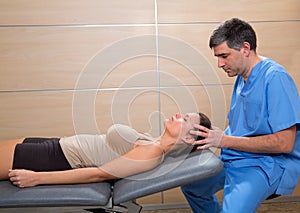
[220,63]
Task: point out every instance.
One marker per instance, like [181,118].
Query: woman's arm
[26,178]
[139,159]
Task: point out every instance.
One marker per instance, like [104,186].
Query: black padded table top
[93,194]
[172,173]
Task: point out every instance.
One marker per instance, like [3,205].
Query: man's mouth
[227,70]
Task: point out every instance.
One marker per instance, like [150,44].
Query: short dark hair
[235,32]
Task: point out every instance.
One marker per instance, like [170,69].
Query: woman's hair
[204,121]
[235,32]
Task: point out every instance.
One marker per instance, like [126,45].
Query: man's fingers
[199,133]
[204,146]
[202,128]
[200,142]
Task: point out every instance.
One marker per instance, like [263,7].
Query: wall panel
[178,11]
[280,41]
[35,114]
[212,100]
[61,113]
[68,12]
[135,107]
[55,57]
[199,63]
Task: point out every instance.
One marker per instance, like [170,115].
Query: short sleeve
[283,102]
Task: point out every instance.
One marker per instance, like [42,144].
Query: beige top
[95,150]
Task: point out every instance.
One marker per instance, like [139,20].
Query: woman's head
[179,126]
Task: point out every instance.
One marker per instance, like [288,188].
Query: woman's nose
[178,115]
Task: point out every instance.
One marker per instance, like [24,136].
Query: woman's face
[180,125]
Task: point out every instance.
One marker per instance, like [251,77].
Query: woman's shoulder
[122,131]
[127,132]
[120,128]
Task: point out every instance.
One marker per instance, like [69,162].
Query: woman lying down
[119,153]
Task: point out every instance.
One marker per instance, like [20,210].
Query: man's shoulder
[272,66]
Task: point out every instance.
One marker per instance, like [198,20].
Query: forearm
[280,142]
[82,175]
[26,178]
[139,159]
[124,167]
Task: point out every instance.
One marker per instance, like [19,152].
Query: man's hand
[23,178]
[212,137]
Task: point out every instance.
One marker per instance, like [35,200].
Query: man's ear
[246,48]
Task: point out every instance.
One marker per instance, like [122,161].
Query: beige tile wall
[78,66]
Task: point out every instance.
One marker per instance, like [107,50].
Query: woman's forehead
[195,117]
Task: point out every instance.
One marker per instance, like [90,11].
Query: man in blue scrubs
[260,147]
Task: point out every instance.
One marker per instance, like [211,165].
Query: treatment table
[108,196]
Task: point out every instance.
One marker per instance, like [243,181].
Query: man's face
[230,60]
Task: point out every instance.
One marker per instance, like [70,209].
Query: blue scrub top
[266,103]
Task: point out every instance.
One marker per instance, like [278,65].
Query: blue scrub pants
[244,190]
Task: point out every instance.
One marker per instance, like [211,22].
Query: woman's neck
[167,142]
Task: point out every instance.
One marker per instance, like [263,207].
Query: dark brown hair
[204,121]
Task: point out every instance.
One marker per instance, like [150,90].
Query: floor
[280,207]
[290,207]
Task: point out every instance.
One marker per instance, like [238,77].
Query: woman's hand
[23,178]
[212,137]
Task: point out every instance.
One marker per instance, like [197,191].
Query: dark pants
[40,154]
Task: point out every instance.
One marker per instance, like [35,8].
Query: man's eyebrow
[221,54]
